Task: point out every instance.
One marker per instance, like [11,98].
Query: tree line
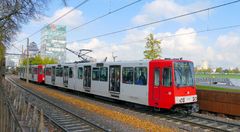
[218,70]
[36,60]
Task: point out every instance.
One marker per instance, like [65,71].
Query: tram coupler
[186,109]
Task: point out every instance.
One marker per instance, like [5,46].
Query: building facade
[12,61]
[32,49]
[53,42]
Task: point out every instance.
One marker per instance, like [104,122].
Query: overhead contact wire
[155,22]
[82,3]
[102,16]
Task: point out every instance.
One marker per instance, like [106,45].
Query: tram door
[114,79]
[160,84]
[65,76]
[33,72]
[53,75]
[87,78]
[156,83]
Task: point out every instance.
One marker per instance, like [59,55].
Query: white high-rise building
[12,60]
[205,64]
[53,42]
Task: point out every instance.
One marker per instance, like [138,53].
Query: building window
[156,77]
[127,75]
[80,72]
[70,72]
[103,73]
[140,75]
[167,77]
[95,74]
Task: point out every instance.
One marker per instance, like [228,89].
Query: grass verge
[234,76]
[201,87]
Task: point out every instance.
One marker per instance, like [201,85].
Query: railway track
[191,120]
[61,117]
[205,123]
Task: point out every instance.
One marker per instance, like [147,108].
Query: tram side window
[140,76]
[103,73]
[35,70]
[127,75]
[167,77]
[70,72]
[22,70]
[40,70]
[32,70]
[95,74]
[59,72]
[80,72]
[156,77]
[48,71]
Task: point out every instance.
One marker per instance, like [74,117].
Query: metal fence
[8,117]
[219,102]
[210,81]
[16,114]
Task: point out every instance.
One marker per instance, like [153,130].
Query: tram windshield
[184,74]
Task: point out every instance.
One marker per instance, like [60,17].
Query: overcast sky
[219,48]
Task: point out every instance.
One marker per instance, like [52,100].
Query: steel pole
[1,112]
[27,60]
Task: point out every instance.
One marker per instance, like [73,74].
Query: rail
[193,120]
[62,117]
[205,123]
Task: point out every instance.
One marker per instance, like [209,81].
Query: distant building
[204,65]
[12,61]
[53,42]
[32,49]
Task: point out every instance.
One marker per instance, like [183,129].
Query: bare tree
[14,13]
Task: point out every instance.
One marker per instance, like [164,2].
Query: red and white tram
[157,83]
[36,73]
